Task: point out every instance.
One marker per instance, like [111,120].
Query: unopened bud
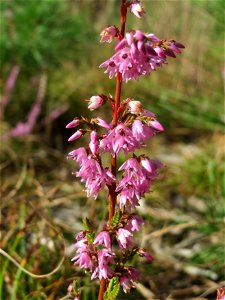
[135,107]
[95,102]
[156,125]
[137,9]
[145,254]
[101,123]
[146,164]
[73,123]
[76,135]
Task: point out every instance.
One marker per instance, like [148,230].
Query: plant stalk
[112,192]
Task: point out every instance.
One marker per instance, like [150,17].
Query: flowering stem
[112,193]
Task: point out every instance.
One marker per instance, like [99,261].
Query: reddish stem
[112,192]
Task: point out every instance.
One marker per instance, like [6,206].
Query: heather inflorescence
[106,254]
[102,253]
[140,53]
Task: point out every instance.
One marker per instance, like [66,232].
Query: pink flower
[152,121]
[80,235]
[108,34]
[83,257]
[103,238]
[94,176]
[105,257]
[136,55]
[134,223]
[79,155]
[141,132]
[137,9]
[102,269]
[129,196]
[93,145]
[81,245]
[119,138]
[95,102]
[129,276]
[138,176]
[125,238]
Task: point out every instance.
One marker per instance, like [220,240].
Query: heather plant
[107,254]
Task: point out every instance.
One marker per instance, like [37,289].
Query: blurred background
[50,53]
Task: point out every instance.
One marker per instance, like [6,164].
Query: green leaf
[115,220]
[87,224]
[90,236]
[113,289]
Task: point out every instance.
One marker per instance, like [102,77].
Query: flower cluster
[138,126]
[95,254]
[106,254]
[139,54]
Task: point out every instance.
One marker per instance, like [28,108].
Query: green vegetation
[184,212]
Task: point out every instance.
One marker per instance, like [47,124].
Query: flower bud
[145,254]
[139,35]
[146,164]
[129,38]
[135,107]
[73,123]
[137,9]
[95,102]
[156,125]
[93,145]
[102,123]
[70,288]
[76,135]
[121,45]
[108,34]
